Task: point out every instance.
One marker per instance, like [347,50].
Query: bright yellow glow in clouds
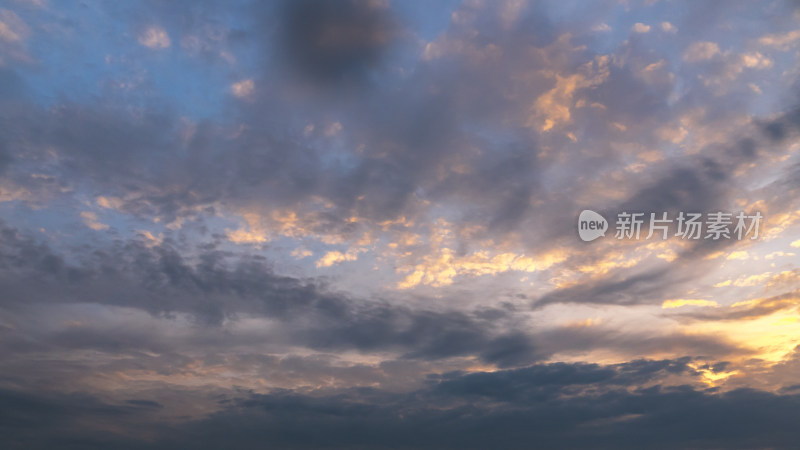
[770,337]
[710,377]
[553,107]
[677,303]
[440,270]
[336,257]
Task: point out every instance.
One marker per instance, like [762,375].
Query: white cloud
[154,37]
[668,27]
[333,129]
[12,28]
[756,60]
[335,257]
[701,51]
[109,202]
[243,89]
[641,28]
[739,255]
[301,253]
[601,27]
[774,255]
[782,41]
[91,221]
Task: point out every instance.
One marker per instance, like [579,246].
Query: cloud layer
[225,224]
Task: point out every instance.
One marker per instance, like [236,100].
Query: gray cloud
[551,406]
[334,43]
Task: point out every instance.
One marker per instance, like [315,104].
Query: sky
[355,224]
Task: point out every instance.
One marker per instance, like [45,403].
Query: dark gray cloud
[335,43]
[549,406]
[160,281]
[653,418]
[759,307]
[214,287]
[73,420]
[629,289]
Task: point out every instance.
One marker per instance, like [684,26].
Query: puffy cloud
[335,257]
[668,27]
[440,269]
[154,37]
[780,40]
[91,221]
[701,51]
[243,89]
[601,27]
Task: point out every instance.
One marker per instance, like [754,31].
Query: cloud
[701,51]
[158,280]
[441,268]
[336,257]
[601,27]
[12,28]
[446,150]
[554,105]
[616,419]
[154,37]
[91,221]
[527,405]
[668,27]
[781,40]
[335,42]
[755,308]
[677,303]
[216,294]
[243,89]
[740,255]
[778,254]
